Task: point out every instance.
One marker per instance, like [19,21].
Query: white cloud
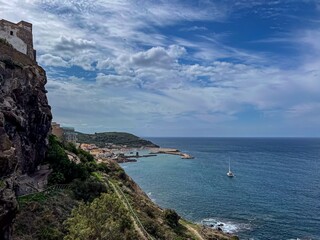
[72,44]
[157,57]
[114,80]
[51,60]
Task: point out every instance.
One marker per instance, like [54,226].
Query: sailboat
[230,174]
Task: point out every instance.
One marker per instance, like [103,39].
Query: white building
[19,36]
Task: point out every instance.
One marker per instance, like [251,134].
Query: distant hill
[119,138]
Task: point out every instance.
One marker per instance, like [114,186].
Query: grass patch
[97,176]
[37,197]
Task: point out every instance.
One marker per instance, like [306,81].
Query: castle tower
[19,36]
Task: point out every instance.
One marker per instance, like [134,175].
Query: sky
[179,68]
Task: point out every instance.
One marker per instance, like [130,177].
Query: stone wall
[19,36]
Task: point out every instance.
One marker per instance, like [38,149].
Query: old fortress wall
[19,36]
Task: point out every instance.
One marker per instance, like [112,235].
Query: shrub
[56,178]
[171,218]
[121,174]
[88,190]
[85,156]
[149,211]
[150,227]
[103,167]
[91,166]
[71,147]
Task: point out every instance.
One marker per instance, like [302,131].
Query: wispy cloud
[193,28]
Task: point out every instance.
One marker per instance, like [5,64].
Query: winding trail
[194,231]
[136,221]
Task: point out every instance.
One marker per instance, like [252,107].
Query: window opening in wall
[11,33]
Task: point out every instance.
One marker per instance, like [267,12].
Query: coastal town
[110,151]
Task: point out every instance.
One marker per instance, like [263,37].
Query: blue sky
[179,68]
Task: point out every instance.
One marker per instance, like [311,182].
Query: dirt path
[136,222]
[194,231]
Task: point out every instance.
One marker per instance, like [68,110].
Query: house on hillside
[67,134]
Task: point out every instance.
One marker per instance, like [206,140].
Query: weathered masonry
[19,35]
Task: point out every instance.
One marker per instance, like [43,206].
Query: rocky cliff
[25,119]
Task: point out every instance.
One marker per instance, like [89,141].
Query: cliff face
[25,119]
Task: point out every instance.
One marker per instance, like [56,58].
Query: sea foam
[225,226]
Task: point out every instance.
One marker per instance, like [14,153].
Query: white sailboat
[230,174]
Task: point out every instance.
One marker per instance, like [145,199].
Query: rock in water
[25,119]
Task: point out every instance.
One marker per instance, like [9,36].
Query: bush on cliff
[88,190]
[83,155]
[70,147]
[103,167]
[64,171]
[171,218]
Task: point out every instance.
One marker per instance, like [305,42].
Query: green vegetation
[104,218]
[83,155]
[42,217]
[40,197]
[86,183]
[91,208]
[97,176]
[64,170]
[88,190]
[171,218]
[118,138]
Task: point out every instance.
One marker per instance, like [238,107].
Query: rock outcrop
[25,119]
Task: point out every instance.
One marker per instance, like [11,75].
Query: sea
[275,193]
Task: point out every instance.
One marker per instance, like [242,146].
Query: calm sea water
[275,193]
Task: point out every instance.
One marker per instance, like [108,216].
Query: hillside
[102,201]
[118,138]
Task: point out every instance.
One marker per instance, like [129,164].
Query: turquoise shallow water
[274,195]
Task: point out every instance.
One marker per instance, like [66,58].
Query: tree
[88,190]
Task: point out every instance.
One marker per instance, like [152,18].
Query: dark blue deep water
[274,195]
